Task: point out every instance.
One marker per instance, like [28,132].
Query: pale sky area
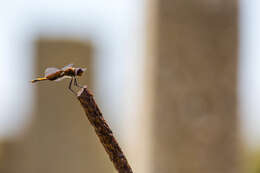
[117,29]
[249,80]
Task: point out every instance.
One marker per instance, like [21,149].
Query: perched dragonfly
[55,74]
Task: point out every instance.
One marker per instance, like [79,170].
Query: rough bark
[103,131]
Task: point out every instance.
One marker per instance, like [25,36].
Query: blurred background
[176,80]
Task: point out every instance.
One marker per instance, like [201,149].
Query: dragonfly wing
[50,70]
[61,78]
[68,66]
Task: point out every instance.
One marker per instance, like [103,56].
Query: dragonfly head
[79,71]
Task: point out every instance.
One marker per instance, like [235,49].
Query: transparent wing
[50,70]
[68,66]
[64,77]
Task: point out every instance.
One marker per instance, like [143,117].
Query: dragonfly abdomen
[54,76]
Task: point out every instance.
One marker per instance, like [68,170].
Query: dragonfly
[56,74]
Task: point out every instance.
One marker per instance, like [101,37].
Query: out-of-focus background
[177,81]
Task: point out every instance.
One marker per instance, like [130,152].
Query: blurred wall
[195,119]
[60,138]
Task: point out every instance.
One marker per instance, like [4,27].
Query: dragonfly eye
[79,71]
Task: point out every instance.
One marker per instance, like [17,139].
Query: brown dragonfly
[56,74]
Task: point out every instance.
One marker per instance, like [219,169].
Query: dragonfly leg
[76,83]
[70,86]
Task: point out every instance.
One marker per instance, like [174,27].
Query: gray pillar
[195,120]
[60,138]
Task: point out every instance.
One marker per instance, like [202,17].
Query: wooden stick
[103,131]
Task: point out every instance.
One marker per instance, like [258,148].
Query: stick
[103,131]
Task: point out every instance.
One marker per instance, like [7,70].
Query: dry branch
[103,131]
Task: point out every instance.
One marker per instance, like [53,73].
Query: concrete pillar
[60,138]
[195,119]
